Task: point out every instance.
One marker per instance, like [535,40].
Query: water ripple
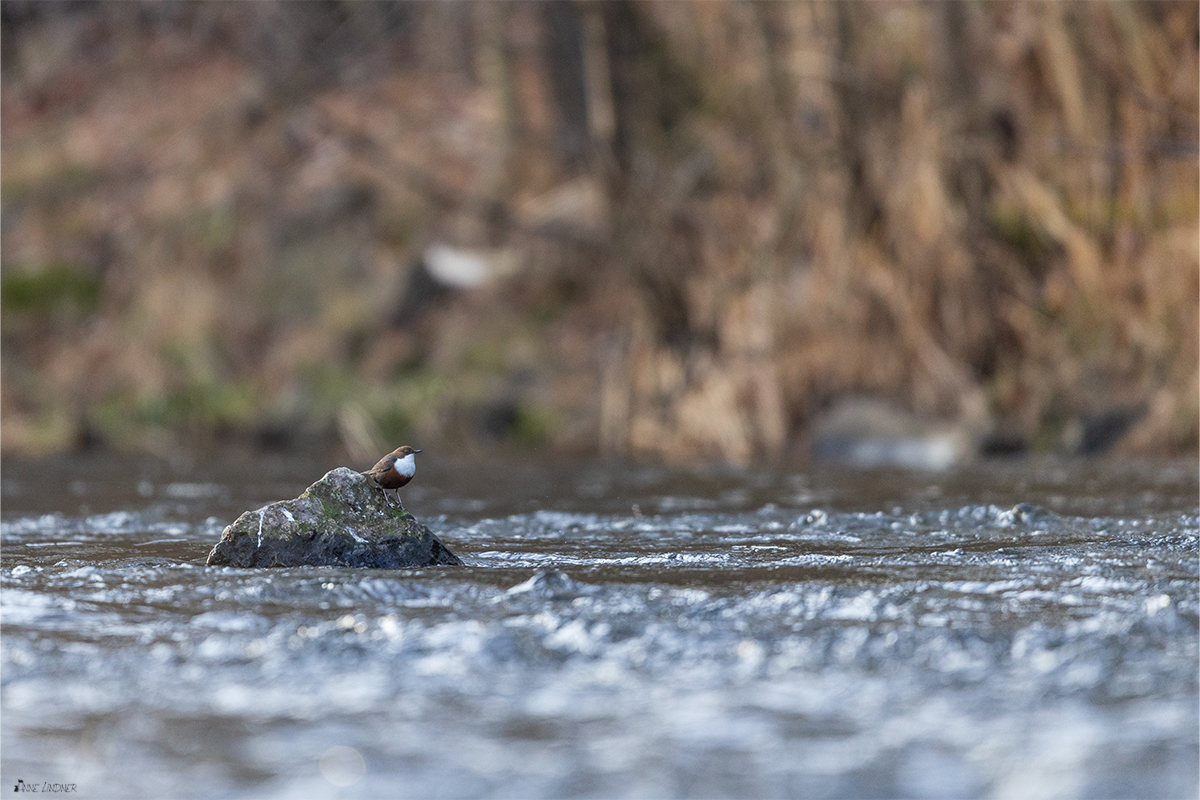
[734,644]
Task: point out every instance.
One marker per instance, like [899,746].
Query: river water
[1009,630]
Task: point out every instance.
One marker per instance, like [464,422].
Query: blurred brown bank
[679,231]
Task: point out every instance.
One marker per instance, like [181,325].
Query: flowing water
[1009,630]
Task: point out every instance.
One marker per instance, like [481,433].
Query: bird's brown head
[404,450]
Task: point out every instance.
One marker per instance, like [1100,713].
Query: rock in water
[339,521]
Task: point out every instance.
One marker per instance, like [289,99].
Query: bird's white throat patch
[406,466]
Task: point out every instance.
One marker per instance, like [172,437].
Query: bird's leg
[386,499]
[401,502]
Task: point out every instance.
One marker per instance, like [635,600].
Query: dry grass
[737,214]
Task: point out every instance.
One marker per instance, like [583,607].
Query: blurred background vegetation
[677,230]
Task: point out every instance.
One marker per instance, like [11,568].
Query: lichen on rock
[339,521]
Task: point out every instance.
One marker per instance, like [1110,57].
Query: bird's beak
[416,451]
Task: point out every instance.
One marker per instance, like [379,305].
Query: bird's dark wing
[381,467]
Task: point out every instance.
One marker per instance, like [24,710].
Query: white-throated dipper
[393,471]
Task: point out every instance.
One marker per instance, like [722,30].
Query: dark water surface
[1010,630]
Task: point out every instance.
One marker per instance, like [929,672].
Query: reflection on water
[1014,630]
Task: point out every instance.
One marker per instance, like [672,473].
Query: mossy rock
[341,520]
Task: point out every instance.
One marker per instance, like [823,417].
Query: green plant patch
[532,427]
[47,181]
[1012,226]
[53,285]
[394,422]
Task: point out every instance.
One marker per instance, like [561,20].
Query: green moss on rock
[339,521]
